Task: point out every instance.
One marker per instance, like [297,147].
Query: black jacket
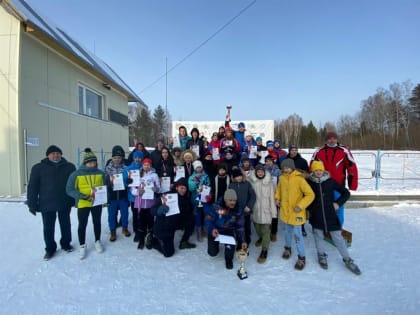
[323,216]
[300,162]
[47,186]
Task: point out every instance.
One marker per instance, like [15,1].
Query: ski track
[124,280]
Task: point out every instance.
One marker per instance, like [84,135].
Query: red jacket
[339,162]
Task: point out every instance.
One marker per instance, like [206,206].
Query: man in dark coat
[47,194]
[300,162]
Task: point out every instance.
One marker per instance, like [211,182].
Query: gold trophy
[228,107]
[242,254]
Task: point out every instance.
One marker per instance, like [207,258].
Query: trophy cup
[228,107]
[242,254]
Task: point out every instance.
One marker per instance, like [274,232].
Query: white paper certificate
[172,203]
[117,182]
[101,196]
[135,176]
[148,192]
[179,172]
[204,193]
[176,143]
[263,154]
[215,154]
[225,239]
[253,152]
[165,184]
[196,149]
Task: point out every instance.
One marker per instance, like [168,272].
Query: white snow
[124,280]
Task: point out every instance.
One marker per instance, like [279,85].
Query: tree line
[388,119]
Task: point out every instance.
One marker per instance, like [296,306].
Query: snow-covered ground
[124,280]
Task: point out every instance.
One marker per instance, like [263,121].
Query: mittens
[162,210]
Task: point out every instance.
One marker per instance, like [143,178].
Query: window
[90,102]
[117,117]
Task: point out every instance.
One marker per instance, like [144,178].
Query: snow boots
[300,263]
[126,232]
[287,252]
[258,242]
[322,260]
[352,266]
[263,256]
[113,236]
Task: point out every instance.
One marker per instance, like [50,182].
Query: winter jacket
[146,179]
[219,187]
[323,216]
[164,226]
[194,182]
[265,207]
[47,186]
[81,182]
[200,144]
[300,163]
[166,168]
[130,190]
[338,161]
[245,193]
[293,191]
[226,221]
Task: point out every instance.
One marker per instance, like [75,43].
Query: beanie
[241,125]
[317,166]
[288,163]
[147,160]
[118,151]
[230,194]
[259,167]
[236,172]
[53,148]
[270,143]
[89,156]
[292,146]
[138,154]
[330,135]
[181,182]
[197,163]
[258,139]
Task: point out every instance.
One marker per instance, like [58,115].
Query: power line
[201,45]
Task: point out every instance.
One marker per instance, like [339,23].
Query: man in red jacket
[338,161]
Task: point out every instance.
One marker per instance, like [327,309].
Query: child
[149,185]
[225,219]
[324,216]
[246,199]
[293,195]
[80,186]
[220,183]
[197,180]
[264,209]
[274,171]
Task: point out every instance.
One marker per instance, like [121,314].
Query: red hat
[147,160]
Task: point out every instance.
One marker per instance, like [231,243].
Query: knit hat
[197,163]
[236,172]
[241,125]
[259,167]
[118,151]
[89,156]
[181,182]
[147,160]
[292,146]
[248,133]
[230,194]
[53,148]
[258,139]
[288,163]
[330,135]
[270,143]
[317,166]
[138,154]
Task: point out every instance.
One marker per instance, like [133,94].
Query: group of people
[215,188]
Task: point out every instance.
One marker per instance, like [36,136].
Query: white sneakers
[82,252]
[98,246]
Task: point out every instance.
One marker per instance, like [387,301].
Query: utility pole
[166,103]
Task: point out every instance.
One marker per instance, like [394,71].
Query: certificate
[117,182]
[206,191]
[176,142]
[263,154]
[215,154]
[171,200]
[225,239]
[165,184]
[196,149]
[253,152]
[135,176]
[148,192]
[100,196]
[179,172]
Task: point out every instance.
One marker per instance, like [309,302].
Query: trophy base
[243,275]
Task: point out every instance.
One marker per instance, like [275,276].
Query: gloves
[155,189]
[129,180]
[33,211]
[162,210]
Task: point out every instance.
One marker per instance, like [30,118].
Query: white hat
[197,163]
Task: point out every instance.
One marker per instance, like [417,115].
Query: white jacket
[265,208]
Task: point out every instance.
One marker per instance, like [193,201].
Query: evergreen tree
[143,125]
[160,129]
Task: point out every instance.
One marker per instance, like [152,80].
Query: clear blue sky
[317,59]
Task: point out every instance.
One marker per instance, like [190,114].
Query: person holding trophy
[224,222]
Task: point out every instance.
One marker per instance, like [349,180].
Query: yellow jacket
[293,191]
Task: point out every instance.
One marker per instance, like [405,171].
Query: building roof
[55,37]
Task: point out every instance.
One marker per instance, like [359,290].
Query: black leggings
[83,216]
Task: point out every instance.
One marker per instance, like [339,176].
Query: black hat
[292,146]
[181,182]
[118,151]
[53,148]
[89,156]
[236,172]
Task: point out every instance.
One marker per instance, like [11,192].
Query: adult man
[47,194]
[339,162]
[300,163]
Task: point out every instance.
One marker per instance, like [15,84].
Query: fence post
[378,169]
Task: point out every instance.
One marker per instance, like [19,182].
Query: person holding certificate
[81,186]
[224,222]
